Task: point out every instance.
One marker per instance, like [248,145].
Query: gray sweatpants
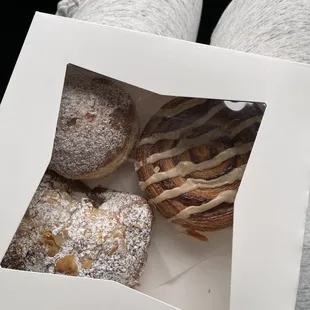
[277,28]
[174,18]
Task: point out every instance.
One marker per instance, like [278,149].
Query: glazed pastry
[97,127]
[191,158]
[71,230]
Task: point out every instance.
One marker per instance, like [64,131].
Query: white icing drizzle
[176,134]
[188,143]
[245,124]
[138,165]
[186,167]
[185,105]
[185,144]
[193,184]
[226,196]
[262,107]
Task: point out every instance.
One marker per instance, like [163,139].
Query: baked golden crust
[191,158]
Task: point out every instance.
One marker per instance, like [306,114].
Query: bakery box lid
[272,200]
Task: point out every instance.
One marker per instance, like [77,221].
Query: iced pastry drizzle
[226,196]
[177,134]
[188,143]
[183,106]
[184,168]
[193,184]
[223,125]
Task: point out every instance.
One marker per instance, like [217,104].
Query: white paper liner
[177,260]
[173,255]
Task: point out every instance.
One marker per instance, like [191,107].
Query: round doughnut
[97,127]
[71,230]
[191,158]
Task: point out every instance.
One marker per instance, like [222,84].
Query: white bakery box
[266,245]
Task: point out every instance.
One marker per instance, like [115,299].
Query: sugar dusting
[112,239]
[94,124]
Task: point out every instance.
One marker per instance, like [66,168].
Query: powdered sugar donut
[97,127]
[71,230]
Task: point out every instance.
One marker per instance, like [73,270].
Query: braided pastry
[191,158]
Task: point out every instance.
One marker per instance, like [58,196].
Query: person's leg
[175,18]
[279,29]
[68,8]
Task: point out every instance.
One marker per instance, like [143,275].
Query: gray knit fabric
[172,18]
[278,28]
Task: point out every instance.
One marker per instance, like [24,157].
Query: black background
[16,16]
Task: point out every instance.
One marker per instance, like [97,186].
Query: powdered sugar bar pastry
[71,230]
